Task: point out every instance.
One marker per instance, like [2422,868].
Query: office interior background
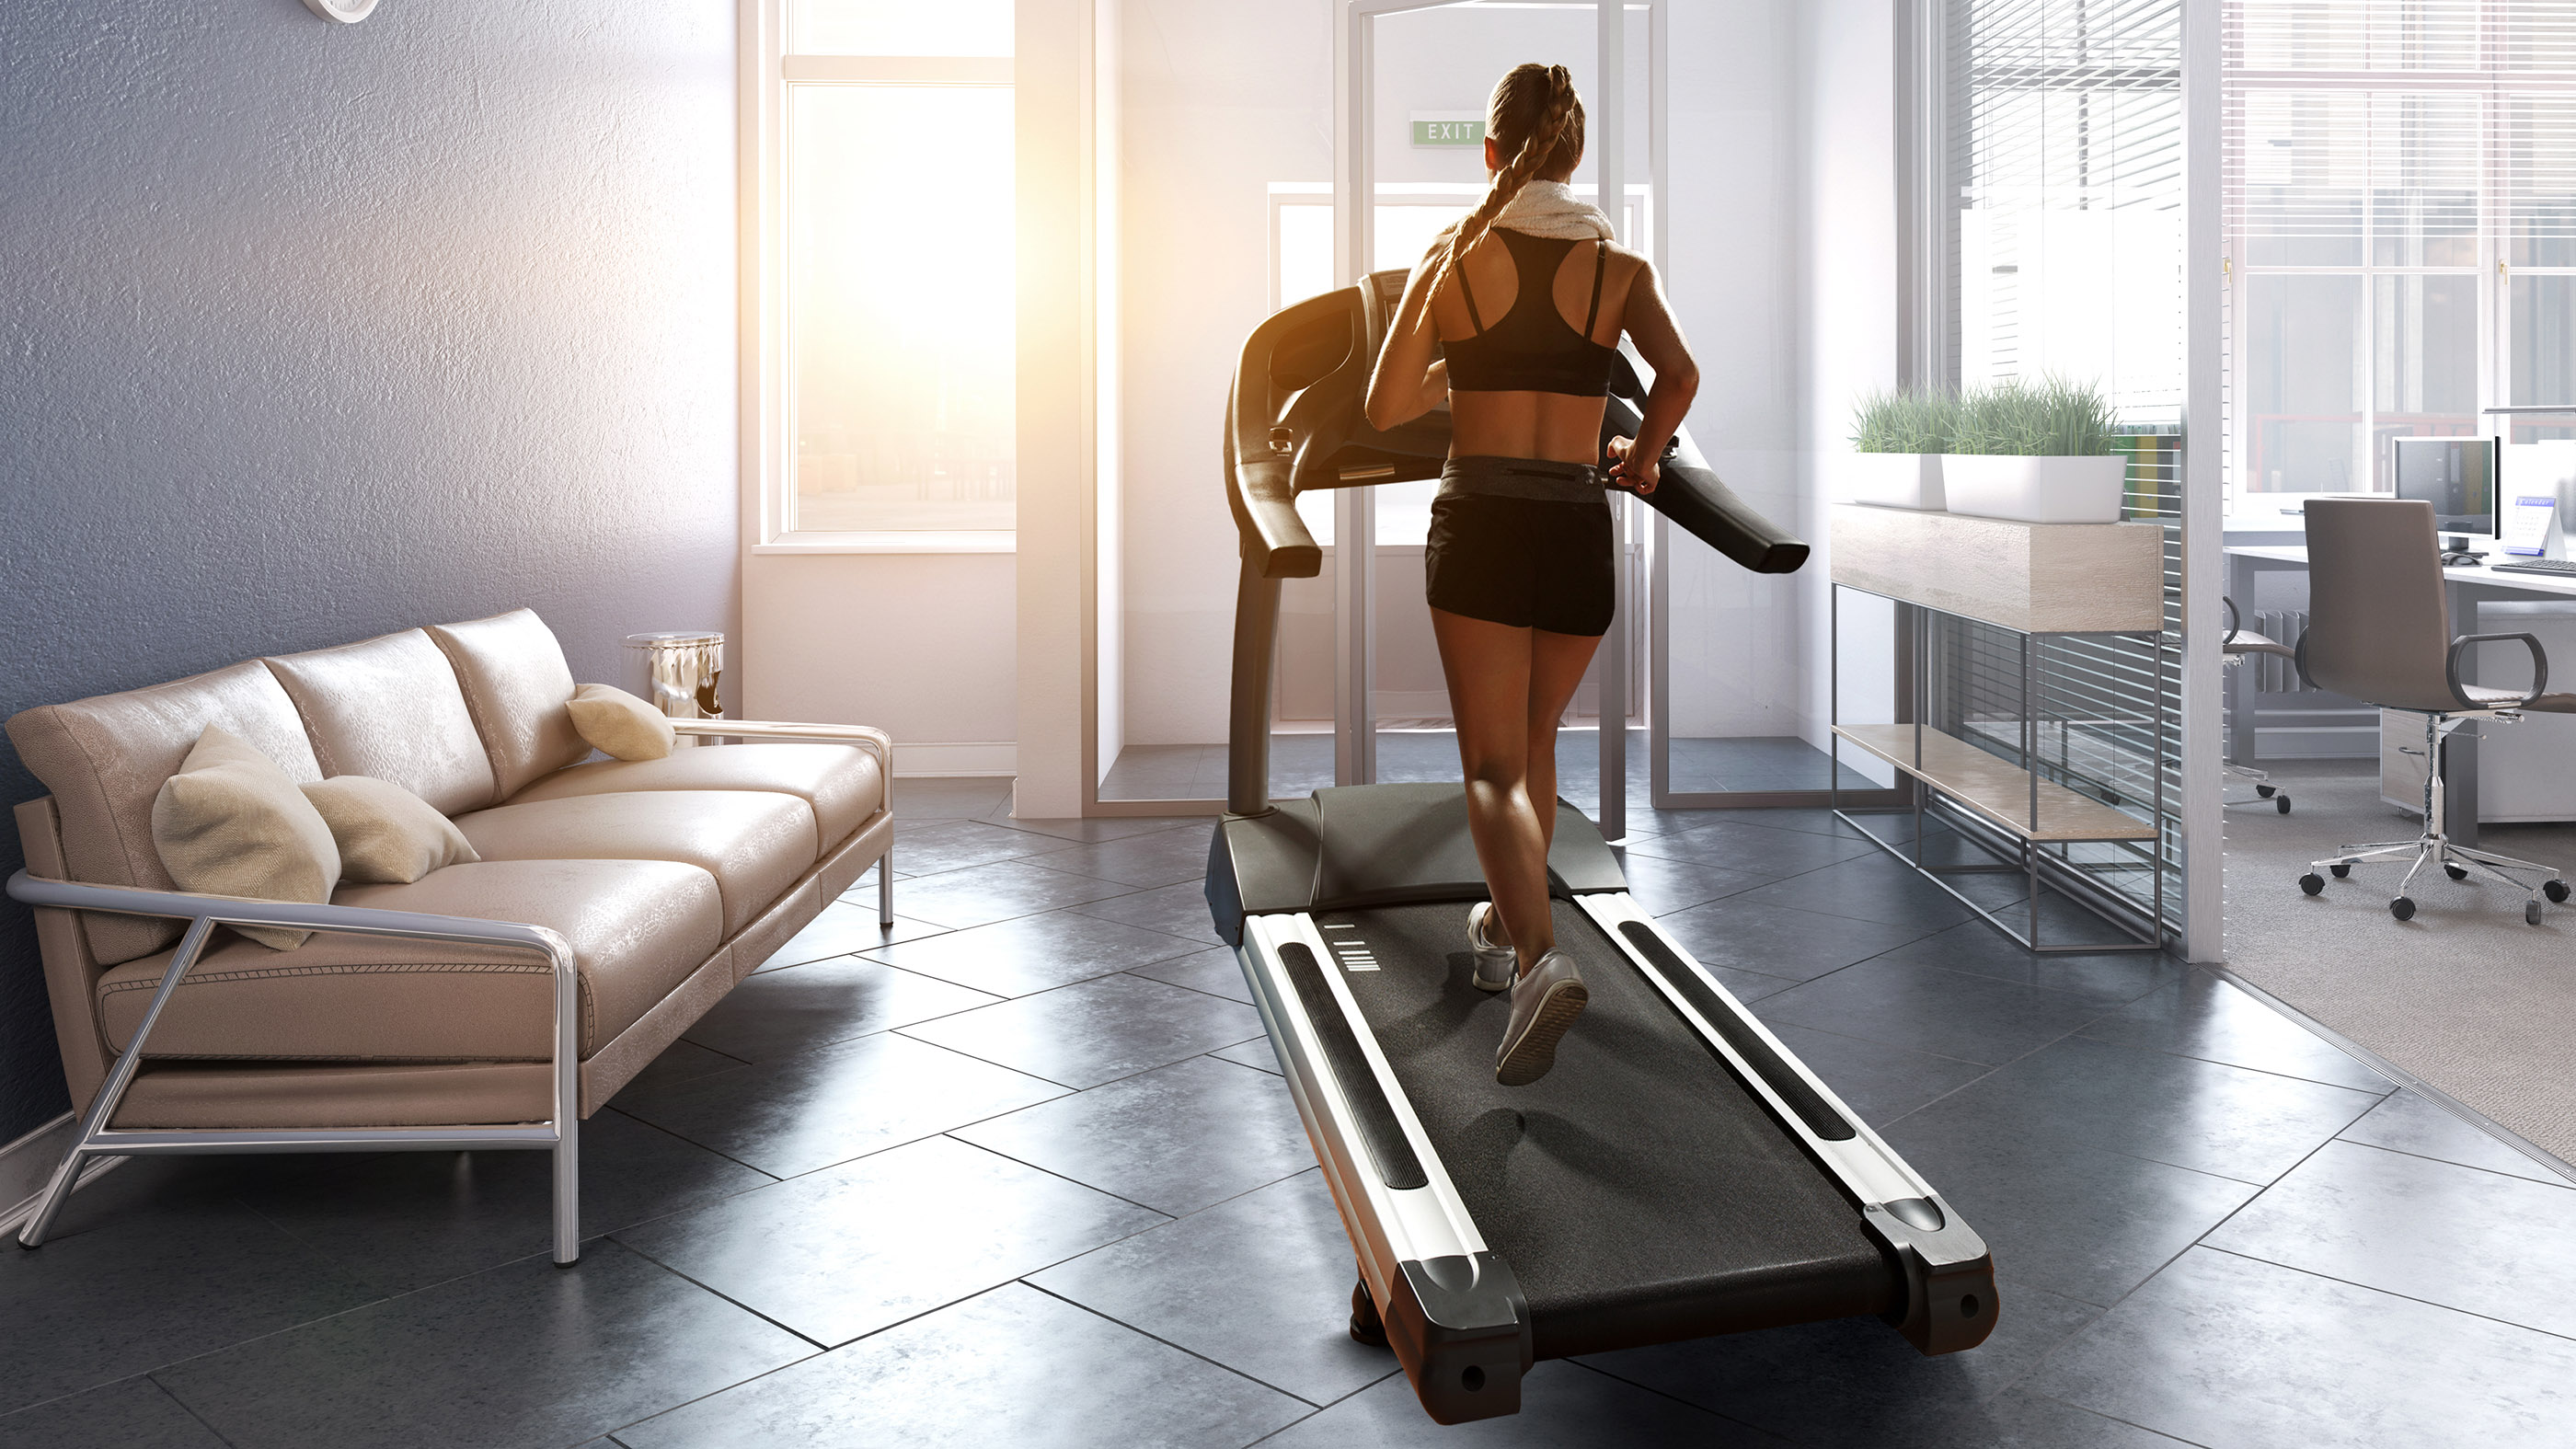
[894,342]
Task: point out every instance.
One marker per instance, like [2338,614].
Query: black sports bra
[1531,349]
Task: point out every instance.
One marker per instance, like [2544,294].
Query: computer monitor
[2455,475]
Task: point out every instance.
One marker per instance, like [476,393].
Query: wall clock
[347,12]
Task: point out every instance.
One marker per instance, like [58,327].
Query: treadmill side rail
[1453,1311]
[1950,1287]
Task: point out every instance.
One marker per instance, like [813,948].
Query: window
[886,350]
[2400,194]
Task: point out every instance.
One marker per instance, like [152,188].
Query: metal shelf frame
[2021,847]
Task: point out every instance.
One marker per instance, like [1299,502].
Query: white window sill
[960,541]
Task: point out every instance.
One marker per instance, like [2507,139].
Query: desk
[2467,588]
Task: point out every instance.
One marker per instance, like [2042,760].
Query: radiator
[2272,674]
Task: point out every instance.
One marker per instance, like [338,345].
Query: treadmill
[1680,1173]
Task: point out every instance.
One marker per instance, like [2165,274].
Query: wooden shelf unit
[1998,791]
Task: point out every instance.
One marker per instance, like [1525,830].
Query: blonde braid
[1535,152]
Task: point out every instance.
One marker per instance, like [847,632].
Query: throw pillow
[387,835]
[231,823]
[619,723]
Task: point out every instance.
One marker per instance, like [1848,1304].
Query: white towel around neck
[1543,208]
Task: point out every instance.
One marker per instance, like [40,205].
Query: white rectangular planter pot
[2035,490]
[1891,480]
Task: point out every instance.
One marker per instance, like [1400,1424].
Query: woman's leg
[1488,669]
[1557,662]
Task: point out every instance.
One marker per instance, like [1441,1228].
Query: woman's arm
[1659,340]
[1406,383]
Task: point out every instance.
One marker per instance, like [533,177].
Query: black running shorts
[1524,562]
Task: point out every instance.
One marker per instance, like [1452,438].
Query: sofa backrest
[391,707]
[105,758]
[517,687]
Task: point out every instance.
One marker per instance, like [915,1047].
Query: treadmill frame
[1453,1313]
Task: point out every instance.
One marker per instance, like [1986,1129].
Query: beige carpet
[2465,995]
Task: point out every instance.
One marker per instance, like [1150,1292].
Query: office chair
[2238,643]
[2379,630]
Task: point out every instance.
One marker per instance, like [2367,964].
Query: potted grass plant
[1898,437]
[2040,452]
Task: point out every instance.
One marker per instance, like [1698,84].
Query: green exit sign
[1448,132]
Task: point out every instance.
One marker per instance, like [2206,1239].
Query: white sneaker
[1495,965]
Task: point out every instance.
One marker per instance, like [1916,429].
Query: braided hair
[1536,116]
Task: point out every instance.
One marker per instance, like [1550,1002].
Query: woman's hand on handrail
[1636,472]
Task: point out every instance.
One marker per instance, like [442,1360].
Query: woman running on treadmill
[1527,298]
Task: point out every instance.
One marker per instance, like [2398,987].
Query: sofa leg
[885,888]
[567,1154]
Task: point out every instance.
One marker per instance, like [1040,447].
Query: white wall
[1847,306]
[919,645]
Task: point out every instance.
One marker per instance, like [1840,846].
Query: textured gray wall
[308,332]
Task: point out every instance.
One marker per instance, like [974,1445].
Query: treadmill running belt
[1638,1192]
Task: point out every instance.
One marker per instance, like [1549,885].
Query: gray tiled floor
[1029,1174]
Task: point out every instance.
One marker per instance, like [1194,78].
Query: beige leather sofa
[614,904]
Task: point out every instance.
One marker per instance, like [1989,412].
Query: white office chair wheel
[2531,913]
[2281,803]
[2342,869]
[2556,890]
[2264,791]
[2313,883]
[2402,908]
[2455,872]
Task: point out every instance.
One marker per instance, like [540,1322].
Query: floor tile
[2226,1351]
[836,1103]
[1878,1081]
[2202,1016]
[1662,886]
[1176,1139]
[1014,1366]
[1256,1053]
[1179,910]
[1260,1283]
[1214,971]
[2207,1116]
[1869,888]
[150,1285]
[2071,1219]
[2109,980]
[2015,1419]
[1160,858]
[980,895]
[129,1414]
[1035,953]
[779,1013]
[946,845]
[587,1349]
[681,1061]
[2405,1122]
[405,1220]
[1090,831]
[1779,942]
[2502,1247]
[1563,1406]
[1853,1383]
[848,925]
[1752,849]
[1095,1031]
[860,1247]
[962,797]
[1924,1008]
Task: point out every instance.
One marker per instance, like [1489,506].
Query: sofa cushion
[754,843]
[620,724]
[637,929]
[841,783]
[391,707]
[231,824]
[386,834]
[105,758]
[516,685]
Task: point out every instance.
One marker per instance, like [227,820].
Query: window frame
[767,417]
[2494,86]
